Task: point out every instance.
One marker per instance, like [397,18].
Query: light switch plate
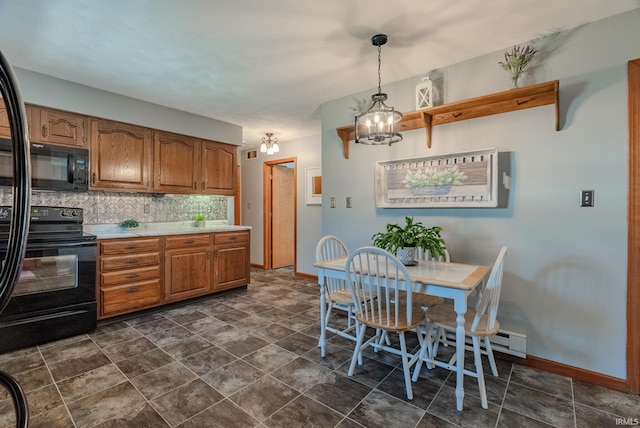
[586,198]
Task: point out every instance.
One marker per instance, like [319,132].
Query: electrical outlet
[586,198]
[333,202]
[147,208]
[348,201]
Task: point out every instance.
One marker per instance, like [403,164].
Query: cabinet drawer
[129,261]
[231,237]
[129,246]
[127,276]
[187,241]
[126,298]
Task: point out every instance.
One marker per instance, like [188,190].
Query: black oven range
[55,296]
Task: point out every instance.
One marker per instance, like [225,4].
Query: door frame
[633,224]
[268,211]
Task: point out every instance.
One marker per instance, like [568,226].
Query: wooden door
[175,163]
[282,217]
[120,156]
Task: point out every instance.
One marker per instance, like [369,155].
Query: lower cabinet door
[187,273]
[129,297]
[231,266]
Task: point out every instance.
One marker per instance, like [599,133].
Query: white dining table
[449,280]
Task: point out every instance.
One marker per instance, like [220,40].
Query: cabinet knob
[132,275]
[133,289]
[195,185]
[132,247]
[44,130]
[203,185]
[93,178]
[133,261]
[188,241]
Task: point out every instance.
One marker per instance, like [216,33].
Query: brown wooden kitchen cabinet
[187,264]
[5,130]
[129,275]
[188,165]
[231,260]
[49,126]
[218,174]
[121,156]
[57,127]
[176,165]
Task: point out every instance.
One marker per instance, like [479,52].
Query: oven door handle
[56,245]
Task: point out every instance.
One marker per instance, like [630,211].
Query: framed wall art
[314,186]
[467,179]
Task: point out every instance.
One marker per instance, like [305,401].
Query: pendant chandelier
[377,125]
[269,145]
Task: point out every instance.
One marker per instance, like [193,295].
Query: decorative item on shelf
[516,62]
[128,224]
[199,220]
[377,125]
[424,94]
[269,145]
[403,241]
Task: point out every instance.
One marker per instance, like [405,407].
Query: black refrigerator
[19,228]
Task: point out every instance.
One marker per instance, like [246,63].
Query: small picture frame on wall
[314,186]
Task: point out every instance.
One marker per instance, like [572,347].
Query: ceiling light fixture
[376,126]
[269,145]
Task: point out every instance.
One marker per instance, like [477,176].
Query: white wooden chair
[480,323]
[336,291]
[374,277]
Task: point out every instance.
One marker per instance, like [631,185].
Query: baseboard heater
[507,342]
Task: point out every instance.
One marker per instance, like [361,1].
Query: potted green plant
[199,220]
[403,240]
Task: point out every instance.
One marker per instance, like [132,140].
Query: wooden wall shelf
[501,102]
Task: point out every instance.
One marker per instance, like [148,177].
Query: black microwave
[52,167]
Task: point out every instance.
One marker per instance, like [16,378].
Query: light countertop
[110,231]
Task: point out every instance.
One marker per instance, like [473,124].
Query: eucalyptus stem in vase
[516,62]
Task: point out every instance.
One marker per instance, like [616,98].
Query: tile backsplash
[108,207]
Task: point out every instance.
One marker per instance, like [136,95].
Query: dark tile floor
[249,359]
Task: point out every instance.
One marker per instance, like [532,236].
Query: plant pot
[431,190]
[199,223]
[407,255]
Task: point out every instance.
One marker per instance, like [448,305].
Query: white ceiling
[267,65]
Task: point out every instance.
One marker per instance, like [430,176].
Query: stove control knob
[4,213]
[74,213]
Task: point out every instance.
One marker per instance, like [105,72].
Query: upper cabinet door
[58,127]
[175,167]
[218,168]
[120,156]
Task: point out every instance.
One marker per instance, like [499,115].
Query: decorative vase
[515,79]
[407,255]
[199,223]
